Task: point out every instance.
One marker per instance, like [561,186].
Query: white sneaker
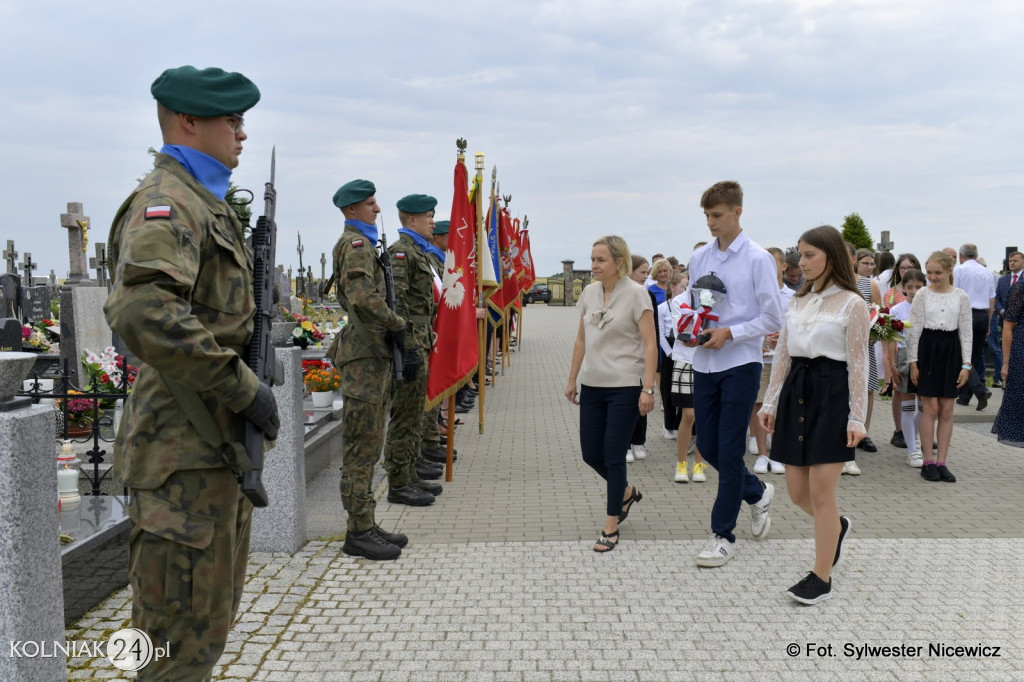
[716,552]
[760,521]
[777,467]
[639,452]
[681,476]
[851,468]
[761,465]
[629,456]
[915,460]
[669,435]
[752,445]
[698,472]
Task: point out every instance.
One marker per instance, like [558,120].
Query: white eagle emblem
[454,291]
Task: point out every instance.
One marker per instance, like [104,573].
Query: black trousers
[979,331]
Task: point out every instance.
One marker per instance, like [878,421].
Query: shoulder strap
[234,454]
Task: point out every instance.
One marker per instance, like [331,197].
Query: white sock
[910,419]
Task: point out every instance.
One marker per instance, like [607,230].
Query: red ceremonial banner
[455,355]
[529,276]
[508,249]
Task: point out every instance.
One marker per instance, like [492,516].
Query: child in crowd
[639,274]
[816,401]
[939,351]
[758,438]
[897,370]
[682,390]
[666,341]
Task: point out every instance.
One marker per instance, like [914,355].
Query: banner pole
[481,382]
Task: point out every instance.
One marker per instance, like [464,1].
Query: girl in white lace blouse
[939,351]
[817,397]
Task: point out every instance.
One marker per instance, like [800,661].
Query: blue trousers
[722,403]
[607,418]
[995,343]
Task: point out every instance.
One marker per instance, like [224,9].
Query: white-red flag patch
[158,212]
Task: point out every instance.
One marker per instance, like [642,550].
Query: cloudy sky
[601,117]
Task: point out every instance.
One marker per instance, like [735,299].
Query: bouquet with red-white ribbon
[885,327]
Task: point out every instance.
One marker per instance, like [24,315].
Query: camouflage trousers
[431,436]
[189,547]
[365,384]
[405,430]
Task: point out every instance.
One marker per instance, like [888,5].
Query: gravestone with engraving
[82,323]
[35,304]
[10,295]
[10,335]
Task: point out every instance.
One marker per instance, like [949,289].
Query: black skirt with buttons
[813,413]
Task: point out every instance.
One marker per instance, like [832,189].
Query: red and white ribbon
[697,317]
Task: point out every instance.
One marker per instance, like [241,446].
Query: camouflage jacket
[182,301]
[361,293]
[414,291]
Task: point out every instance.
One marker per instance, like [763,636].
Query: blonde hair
[619,250]
[660,264]
[943,259]
[676,278]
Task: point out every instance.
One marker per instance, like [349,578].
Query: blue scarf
[211,173]
[424,245]
[436,250]
[369,231]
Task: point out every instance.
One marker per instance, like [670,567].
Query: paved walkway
[499,581]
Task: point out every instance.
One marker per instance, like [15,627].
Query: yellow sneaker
[698,472]
[681,473]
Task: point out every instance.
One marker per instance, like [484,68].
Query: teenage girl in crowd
[939,351]
[667,339]
[681,358]
[759,439]
[640,274]
[864,266]
[885,265]
[815,404]
[662,272]
[893,296]
[897,371]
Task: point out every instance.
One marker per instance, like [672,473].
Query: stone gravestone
[10,335]
[10,295]
[82,323]
[35,304]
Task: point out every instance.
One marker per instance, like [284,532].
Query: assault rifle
[259,356]
[389,297]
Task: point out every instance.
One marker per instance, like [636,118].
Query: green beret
[441,227]
[207,93]
[353,192]
[417,203]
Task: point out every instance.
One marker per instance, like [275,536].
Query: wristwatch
[648,391]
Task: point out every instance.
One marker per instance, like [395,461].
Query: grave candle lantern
[68,473]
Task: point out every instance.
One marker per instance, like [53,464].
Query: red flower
[105,378]
[897,325]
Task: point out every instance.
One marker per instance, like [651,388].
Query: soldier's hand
[397,338]
[262,412]
[412,365]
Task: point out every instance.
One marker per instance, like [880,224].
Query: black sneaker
[810,590]
[397,539]
[945,475]
[426,486]
[844,530]
[997,383]
[930,472]
[410,495]
[983,401]
[370,544]
[897,439]
[867,445]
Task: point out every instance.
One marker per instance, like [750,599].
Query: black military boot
[410,495]
[432,488]
[428,471]
[371,544]
[398,539]
[440,456]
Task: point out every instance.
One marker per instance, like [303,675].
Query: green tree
[856,232]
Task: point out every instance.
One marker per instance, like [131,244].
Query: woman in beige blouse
[614,361]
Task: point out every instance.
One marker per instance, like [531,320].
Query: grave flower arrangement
[305,332]
[108,373]
[34,338]
[320,376]
[80,410]
[885,327]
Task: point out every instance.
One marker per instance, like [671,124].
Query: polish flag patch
[158,212]
[357,242]
[399,255]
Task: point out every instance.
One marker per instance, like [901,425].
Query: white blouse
[833,324]
[950,311]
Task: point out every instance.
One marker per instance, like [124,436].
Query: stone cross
[323,276]
[11,256]
[885,244]
[300,249]
[99,264]
[309,281]
[76,224]
[28,266]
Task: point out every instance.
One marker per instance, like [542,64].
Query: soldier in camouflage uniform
[182,302]
[362,352]
[431,438]
[417,288]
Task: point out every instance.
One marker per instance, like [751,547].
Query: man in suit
[1015,261]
